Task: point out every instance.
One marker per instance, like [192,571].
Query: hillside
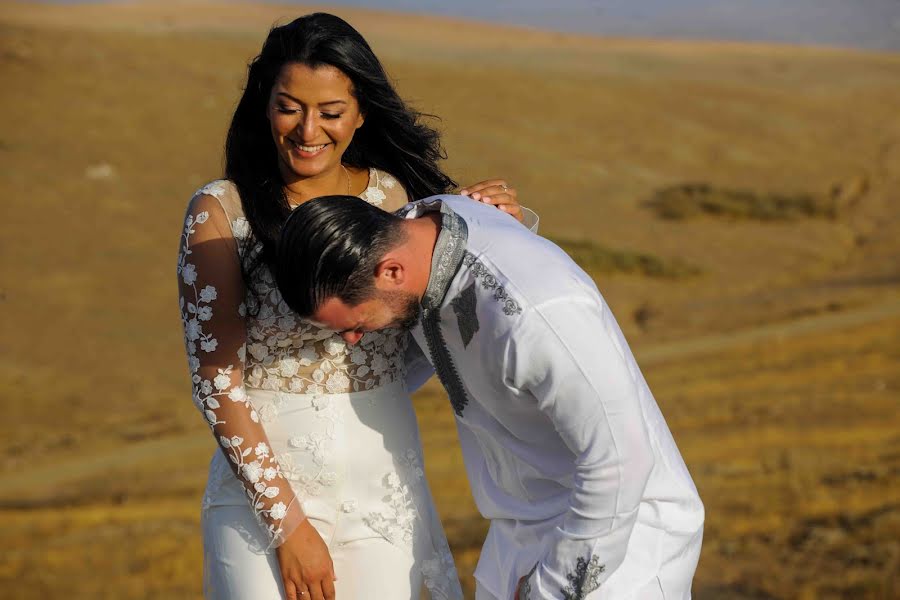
[771,344]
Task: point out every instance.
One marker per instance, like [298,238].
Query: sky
[869,24]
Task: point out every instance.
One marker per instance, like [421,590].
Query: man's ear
[390,274]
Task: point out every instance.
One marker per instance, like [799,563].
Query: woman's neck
[332,182]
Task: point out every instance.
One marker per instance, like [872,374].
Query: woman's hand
[306,566]
[496,192]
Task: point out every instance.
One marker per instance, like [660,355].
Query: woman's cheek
[282,123]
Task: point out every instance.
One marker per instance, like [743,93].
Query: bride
[318,489]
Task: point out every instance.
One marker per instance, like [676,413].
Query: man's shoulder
[520,277]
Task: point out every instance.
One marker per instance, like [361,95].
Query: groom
[566,450]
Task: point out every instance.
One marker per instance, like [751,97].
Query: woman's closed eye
[287,110]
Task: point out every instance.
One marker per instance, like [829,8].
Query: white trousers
[651,591]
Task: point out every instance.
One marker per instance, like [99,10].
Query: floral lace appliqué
[318,446]
[255,465]
[440,576]
[287,354]
[396,521]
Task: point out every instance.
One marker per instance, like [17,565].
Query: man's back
[565,446]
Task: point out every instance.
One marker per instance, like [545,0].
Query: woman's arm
[211,293]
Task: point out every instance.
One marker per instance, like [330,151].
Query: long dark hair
[392,138]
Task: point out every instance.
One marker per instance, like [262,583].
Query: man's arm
[569,354]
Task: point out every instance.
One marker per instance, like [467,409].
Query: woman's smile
[307,151]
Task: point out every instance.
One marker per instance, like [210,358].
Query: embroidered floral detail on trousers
[585,579]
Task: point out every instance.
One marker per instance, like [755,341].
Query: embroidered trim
[464,306]
[489,282]
[448,257]
[585,579]
[443,363]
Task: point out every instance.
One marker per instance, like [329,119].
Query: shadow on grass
[688,200]
[598,259]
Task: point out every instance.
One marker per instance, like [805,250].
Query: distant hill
[872,24]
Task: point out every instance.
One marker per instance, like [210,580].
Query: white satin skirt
[355,462]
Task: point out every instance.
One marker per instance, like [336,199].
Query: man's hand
[306,566]
[519,586]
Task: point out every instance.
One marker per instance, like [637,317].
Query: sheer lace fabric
[239,339]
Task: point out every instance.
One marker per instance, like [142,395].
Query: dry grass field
[772,344]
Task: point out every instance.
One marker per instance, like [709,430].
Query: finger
[304,592]
[328,588]
[482,185]
[315,591]
[290,590]
[514,210]
[498,198]
[507,193]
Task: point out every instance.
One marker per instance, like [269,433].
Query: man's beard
[405,307]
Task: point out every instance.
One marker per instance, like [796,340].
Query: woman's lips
[305,151]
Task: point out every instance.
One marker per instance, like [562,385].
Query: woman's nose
[308,126]
[351,337]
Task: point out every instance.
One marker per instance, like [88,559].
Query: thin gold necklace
[347,173]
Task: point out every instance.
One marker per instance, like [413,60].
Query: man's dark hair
[329,247]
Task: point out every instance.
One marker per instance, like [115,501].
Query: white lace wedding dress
[307,426]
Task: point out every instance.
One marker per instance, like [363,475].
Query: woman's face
[313,116]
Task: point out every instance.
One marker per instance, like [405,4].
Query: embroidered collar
[449,251]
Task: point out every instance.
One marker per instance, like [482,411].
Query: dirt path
[41,479]
[771,332]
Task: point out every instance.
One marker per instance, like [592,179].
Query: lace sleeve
[530,219]
[211,291]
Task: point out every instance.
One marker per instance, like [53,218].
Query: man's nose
[351,337]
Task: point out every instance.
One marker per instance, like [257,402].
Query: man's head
[344,264]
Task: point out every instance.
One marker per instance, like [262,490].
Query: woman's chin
[309,167]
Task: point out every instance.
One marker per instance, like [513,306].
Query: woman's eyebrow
[286,95]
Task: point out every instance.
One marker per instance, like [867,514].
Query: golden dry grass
[776,364]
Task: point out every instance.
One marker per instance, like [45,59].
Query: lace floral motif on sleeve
[212,313]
